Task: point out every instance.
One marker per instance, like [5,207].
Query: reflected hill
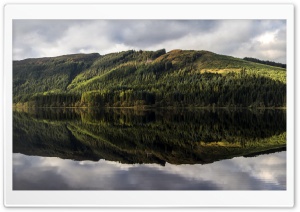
[148,136]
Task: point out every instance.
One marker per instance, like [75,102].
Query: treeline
[204,90]
[53,100]
[266,62]
[124,98]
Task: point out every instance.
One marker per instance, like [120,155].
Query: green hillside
[147,78]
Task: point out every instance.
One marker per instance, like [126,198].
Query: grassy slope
[184,62]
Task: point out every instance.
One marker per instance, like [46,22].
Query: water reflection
[133,136]
[149,149]
[265,172]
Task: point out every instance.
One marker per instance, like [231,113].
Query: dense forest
[178,78]
[177,136]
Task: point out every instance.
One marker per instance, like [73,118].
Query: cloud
[265,172]
[239,38]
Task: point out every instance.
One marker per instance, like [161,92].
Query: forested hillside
[147,78]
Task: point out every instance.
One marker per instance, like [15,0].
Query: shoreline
[155,107]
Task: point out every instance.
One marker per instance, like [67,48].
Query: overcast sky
[262,39]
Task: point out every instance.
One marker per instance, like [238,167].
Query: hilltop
[147,78]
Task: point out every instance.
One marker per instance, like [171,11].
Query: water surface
[127,149]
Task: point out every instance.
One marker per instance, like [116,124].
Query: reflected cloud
[264,172]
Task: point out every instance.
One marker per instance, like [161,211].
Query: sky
[262,39]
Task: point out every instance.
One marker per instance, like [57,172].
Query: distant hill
[267,62]
[178,78]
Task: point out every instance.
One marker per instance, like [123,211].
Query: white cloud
[268,37]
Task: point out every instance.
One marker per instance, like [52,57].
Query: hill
[147,78]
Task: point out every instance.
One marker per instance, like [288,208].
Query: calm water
[81,149]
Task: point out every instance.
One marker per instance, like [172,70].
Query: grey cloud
[50,30]
[38,38]
[148,32]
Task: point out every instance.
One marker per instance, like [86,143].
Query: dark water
[126,149]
